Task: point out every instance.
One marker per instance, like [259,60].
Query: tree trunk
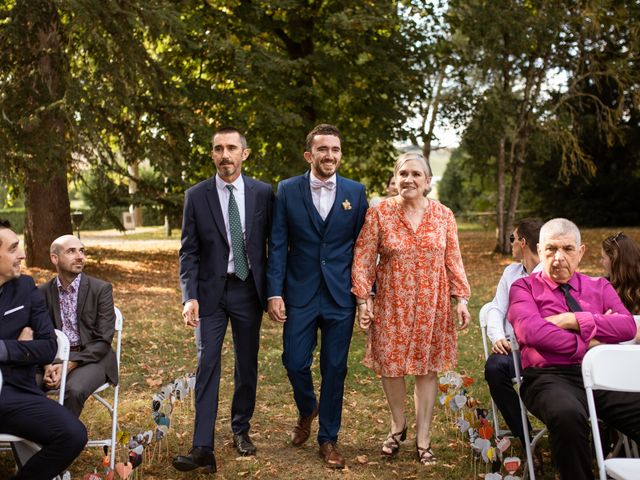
[45,140]
[502,243]
[134,172]
[435,105]
[516,182]
[48,216]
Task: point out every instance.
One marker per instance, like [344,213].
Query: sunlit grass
[157,349]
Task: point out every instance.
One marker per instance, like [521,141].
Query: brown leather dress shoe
[331,455]
[302,430]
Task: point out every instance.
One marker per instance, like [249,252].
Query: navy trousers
[240,305]
[43,421]
[556,396]
[300,340]
[499,372]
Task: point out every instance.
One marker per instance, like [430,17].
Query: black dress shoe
[243,444]
[197,458]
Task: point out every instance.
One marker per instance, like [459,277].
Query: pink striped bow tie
[316,184]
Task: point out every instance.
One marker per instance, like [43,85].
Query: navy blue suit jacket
[304,249]
[22,305]
[204,253]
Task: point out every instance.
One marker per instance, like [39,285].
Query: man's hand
[26,334]
[276,309]
[464,317]
[191,313]
[501,346]
[566,321]
[594,343]
[52,376]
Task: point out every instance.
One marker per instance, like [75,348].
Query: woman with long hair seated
[621,263]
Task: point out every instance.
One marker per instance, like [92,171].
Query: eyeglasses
[512,238]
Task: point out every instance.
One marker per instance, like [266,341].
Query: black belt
[233,276]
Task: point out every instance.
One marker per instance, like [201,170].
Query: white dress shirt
[323,198]
[224,195]
[497,326]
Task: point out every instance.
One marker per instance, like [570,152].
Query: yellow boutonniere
[346,205]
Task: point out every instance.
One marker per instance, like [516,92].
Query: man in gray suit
[82,307]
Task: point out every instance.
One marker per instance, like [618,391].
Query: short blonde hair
[418,157]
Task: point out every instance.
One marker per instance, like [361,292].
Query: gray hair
[558,227]
[418,157]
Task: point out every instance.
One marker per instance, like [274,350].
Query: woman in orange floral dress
[411,324]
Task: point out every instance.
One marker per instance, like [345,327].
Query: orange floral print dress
[414,329]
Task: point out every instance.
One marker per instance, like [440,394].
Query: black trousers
[43,421]
[499,372]
[239,305]
[556,396]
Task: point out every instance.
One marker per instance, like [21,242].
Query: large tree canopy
[533,66]
[105,83]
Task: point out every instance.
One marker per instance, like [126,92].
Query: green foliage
[462,189]
[556,83]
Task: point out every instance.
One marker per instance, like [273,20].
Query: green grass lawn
[157,349]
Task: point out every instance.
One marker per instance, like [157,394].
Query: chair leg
[114,426]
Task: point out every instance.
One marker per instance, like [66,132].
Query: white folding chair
[530,443]
[482,316]
[24,449]
[111,407]
[609,367]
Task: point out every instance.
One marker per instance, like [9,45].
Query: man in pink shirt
[557,315]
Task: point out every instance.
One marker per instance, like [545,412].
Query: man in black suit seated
[27,339]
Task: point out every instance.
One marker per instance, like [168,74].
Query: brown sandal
[391,444]
[426,455]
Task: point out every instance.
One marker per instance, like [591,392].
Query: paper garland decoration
[475,422]
[162,407]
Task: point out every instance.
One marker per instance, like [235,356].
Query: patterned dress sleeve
[458,284]
[365,254]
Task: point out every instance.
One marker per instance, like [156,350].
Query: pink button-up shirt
[543,344]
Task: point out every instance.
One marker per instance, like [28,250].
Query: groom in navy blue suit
[223,260]
[316,221]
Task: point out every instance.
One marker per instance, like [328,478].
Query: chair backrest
[0,381]
[608,367]
[118,327]
[62,355]
[482,316]
[611,367]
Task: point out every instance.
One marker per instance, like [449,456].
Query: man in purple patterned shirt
[82,307]
[557,315]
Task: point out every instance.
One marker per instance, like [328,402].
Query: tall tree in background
[79,86]
[36,133]
[286,65]
[107,84]
[529,60]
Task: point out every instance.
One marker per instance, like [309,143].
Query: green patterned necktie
[237,238]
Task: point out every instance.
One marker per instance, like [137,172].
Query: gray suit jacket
[96,322]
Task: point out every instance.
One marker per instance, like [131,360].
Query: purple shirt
[542,343]
[68,310]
